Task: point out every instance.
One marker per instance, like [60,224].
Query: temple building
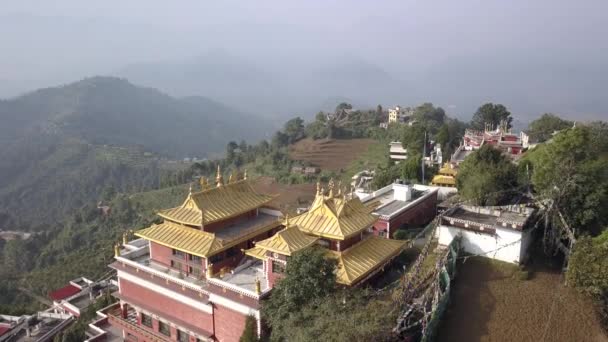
[342,225]
[446,177]
[187,278]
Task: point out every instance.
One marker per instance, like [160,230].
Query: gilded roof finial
[331,187]
[318,188]
[231,178]
[339,188]
[190,189]
[219,180]
[286,220]
[117,249]
[258,286]
[125,238]
[245,175]
[203,182]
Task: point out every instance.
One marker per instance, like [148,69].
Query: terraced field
[329,154]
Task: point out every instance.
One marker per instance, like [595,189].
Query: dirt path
[489,304]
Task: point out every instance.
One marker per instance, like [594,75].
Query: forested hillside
[61,147]
[106,110]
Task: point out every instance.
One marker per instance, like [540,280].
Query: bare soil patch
[489,303]
[289,197]
[329,154]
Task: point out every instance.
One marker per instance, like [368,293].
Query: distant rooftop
[394,198]
[514,216]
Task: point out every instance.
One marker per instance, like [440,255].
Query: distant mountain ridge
[62,147]
[108,110]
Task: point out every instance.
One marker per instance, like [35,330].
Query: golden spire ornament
[219,180]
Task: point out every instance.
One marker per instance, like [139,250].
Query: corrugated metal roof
[216,204]
[256,252]
[287,241]
[335,217]
[365,257]
[187,239]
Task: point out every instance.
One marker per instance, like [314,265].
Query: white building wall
[488,245]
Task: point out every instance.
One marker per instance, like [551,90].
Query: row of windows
[164,328]
[195,271]
[181,255]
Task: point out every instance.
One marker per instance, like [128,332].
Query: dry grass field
[489,304]
[289,197]
[329,154]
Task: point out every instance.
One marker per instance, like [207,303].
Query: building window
[164,328]
[277,267]
[182,336]
[179,254]
[195,271]
[195,258]
[146,320]
[176,264]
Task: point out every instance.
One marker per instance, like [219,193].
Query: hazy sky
[64,39]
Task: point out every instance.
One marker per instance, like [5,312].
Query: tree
[443,135]
[490,113]
[230,151]
[571,172]
[309,277]
[343,106]
[250,332]
[486,176]
[294,129]
[542,129]
[411,168]
[413,138]
[280,139]
[379,110]
[588,270]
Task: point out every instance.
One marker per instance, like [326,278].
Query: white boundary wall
[506,245]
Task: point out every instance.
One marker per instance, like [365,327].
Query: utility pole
[423,156]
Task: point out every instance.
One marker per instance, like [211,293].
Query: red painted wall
[163,304]
[421,213]
[229,324]
[161,254]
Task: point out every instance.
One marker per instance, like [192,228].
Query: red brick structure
[402,205]
[186,279]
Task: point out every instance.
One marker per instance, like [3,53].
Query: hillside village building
[501,233]
[396,151]
[399,205]
[399,114]
[512,145]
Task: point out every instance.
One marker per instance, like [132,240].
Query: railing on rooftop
[114,316]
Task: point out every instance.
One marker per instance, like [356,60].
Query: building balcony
[135,256]
[129,323]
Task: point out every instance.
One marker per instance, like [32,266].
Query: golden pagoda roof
[216,204]
[444,180]
[187,239]
[198,242]
[362,259]
[256,252]
[447,170]
[287,241]
[335,217]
